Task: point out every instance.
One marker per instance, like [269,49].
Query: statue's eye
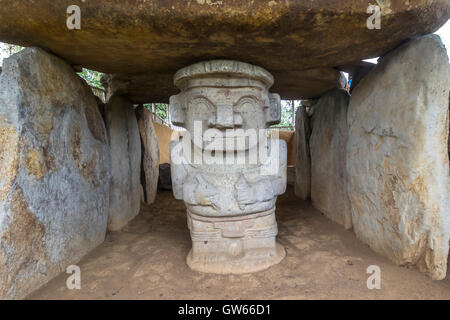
[247,106]
[200,107]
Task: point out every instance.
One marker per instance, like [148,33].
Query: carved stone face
[224,99]
[230,204]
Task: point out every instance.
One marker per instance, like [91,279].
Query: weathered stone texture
[291,84]
[125,145]
[54,171]
[150,155]
[302,154]
[397,157]
[230,201]
[308,38]
[328,144]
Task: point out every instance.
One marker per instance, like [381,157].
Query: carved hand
[205,192]
[244,192]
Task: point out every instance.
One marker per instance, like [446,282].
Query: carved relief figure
[226,170]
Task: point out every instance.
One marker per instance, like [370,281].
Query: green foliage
[92,78]
[160,110]
[12,49]
[7,50]
[287,118]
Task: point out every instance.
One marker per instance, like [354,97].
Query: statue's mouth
[230,143]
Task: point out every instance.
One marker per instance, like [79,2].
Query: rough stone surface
[125,144]
[230,201]
[159,37]
[291,84]
[328,144]
[54,171]
[302,154]
[359,74]
[150,154]
[397,159]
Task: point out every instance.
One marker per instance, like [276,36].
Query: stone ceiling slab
[161,36]
[300,84]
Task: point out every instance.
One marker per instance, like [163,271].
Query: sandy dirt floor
[147,261]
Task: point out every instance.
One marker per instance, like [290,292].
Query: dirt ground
[324,261]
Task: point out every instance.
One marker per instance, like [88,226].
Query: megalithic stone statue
[225,169]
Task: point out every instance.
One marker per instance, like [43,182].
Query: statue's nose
[225,118]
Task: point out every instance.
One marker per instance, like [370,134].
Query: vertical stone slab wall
[125,145]
[302,154]
[328,145]
[397,156]
[54,171]
[150,153]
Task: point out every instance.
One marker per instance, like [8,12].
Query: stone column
[230,196]
[302,154]
[328,144]
[397,161]
[54,171]
[150,153]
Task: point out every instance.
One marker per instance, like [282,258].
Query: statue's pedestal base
[237,245]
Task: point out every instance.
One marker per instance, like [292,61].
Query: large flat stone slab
[150,153]
[302,154]
[397,157]
[328,144]
[126,156]
[54,171]
[158,37]
[291,84]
